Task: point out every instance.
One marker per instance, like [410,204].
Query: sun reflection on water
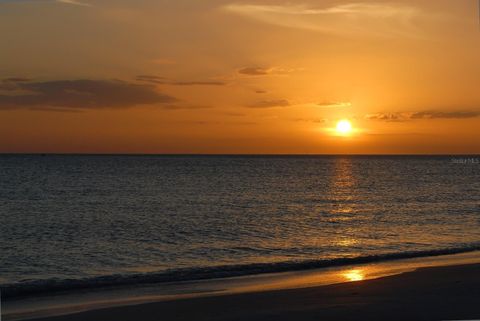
[354,275]
[346,242]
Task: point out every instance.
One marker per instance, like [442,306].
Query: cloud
[81,94]
[313,120]
[165,81]
[221,123]
[77,3]
[254,71]
[351,18]
[334,104]
[262,71]
[390,117]
[401,117]
[270,104]
[72,2]
[197,83]
[445,115]
[179,106]
[151,78]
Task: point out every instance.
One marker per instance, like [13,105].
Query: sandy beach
[435,293]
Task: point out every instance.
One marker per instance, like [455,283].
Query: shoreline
[117,298]
[432,293]
[196,274]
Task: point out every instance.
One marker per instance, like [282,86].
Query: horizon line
[232,154]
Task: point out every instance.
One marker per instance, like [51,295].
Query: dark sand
[440,293]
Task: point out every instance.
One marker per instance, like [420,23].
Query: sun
[344,127]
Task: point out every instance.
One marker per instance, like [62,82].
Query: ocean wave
[45,286]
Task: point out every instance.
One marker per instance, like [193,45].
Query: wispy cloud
[353,18]
[254,71]
[72,2]
[164,81]
[311,120]
[389,117]
[270,103]
[445,115]
[198,83]
[334,104]
[186,106]
[221,123]
[263,71]
[407,116]
[19,93]
[151,79]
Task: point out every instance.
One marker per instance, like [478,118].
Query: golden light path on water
[354,275]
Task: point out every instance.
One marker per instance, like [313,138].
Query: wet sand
[434,293]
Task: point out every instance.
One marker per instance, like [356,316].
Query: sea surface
[74,222]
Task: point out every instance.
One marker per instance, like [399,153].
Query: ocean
[82,221]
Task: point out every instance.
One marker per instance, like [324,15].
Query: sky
[239,77]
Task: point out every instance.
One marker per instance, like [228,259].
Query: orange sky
[222,76]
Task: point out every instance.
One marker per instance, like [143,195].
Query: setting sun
[344,127]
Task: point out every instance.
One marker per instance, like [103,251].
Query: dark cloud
[82,94]
[270,104]
[399,117]
[260,91]
[165,81]
[254,71]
